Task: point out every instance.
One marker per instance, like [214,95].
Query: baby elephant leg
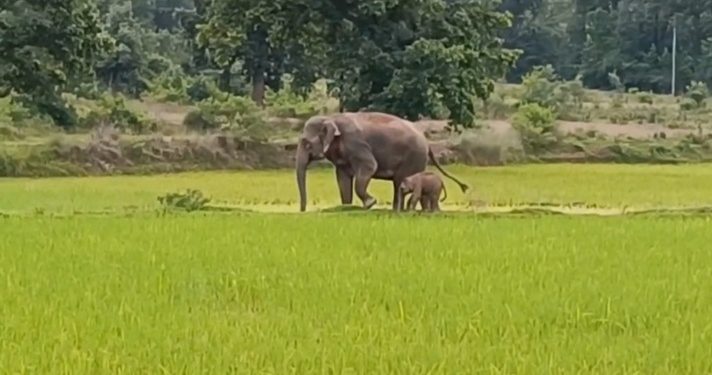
[425,203]
[412,203]
[435,205]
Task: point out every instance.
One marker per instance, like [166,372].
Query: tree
[142,50]
[416,58]
[268,39]
[42,43]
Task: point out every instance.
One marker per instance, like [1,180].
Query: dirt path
[173,115]
[637,131]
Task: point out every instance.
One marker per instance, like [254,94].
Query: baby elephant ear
[331,131]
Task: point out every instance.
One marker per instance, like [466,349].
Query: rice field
[600,185]
[136,291]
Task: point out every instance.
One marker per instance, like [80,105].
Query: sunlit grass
[606,185]
[372,294]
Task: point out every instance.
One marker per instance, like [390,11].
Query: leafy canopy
[408,57]
[43,43]
[417,58]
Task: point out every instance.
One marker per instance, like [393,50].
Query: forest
[413,58]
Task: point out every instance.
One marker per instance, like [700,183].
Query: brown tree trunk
[258,88]
[225,80]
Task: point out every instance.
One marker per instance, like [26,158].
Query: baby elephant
[425,187]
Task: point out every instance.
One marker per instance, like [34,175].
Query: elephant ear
[332,131]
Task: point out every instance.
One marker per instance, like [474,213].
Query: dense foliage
[631,38]
[44,44]
[425,58]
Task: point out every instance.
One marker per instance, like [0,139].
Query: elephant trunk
[301,166]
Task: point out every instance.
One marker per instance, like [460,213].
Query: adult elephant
[364,146]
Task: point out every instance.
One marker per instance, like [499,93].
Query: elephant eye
[305,143]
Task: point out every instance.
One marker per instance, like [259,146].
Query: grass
[367,293]
[269,294]
[604,185]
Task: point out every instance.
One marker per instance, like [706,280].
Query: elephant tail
[444,191]
[463,186]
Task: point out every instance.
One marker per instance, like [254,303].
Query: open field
[265,293]
[132,291]
[601,185]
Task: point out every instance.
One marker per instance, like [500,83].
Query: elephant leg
[412,203]
[363,178]
[398,198]
[434,204]
[424,204]
[346,186]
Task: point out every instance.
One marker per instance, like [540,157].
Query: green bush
[688,104]
[16,115]
[543,87]
[236,114]
[617,101]
[112,110]
[200,88]
[288,103]
[190,200]
[537,127]
[169,86]
[196,120]
[10,133]
[540,86]
[495,107]
[645,97]
[9,165]
[698,92]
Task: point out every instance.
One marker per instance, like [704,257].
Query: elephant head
[318,134]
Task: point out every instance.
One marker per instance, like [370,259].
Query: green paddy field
[96,279]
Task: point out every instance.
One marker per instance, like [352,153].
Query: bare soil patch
[635,131]
[173,115]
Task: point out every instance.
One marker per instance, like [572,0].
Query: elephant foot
[370,202]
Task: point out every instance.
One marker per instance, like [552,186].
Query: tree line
[410,57]
[614,44]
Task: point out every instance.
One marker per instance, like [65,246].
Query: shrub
[540,86]
[112,111]
[200,88]
[19,116]
[688,104]
[495,107]
[10,133]
[287,102]
[195,120]
[543,87]
[190,200]
[536,126]
[573,90]
[228,113]
[169,86]
[617,101]
[698,92]
[645,97]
